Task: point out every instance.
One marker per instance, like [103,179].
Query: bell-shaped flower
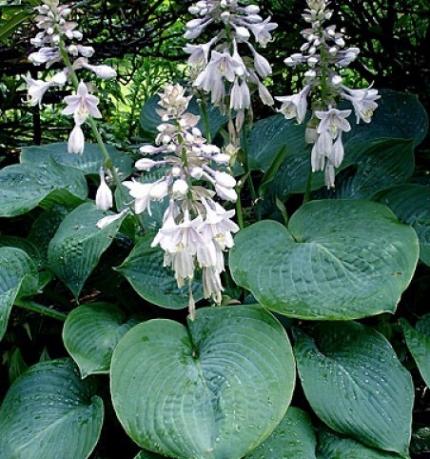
[295,106]
[36,90]
[104,197]
[76,143]
[333,121]
[363,101]
[82,104]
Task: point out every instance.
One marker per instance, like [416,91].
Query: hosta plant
[236,287]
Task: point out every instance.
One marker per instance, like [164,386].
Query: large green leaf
[411,204]
[44,228]
[418,342]
[150,120]
[148,455]
[294,438]
[18,276]
[214,389]
[78,244]
[152,281]
[377,156]
[89,162]
[50,413]
[354,382]
[399,116]
[331,446]
[380,166]
[338,260]
[24,186]
[91,333]
[24,244]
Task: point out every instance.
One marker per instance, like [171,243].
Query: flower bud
[145,164]
[159,190]
[180,188]
[104,197]
[76,143]
[224,179]
[196,172]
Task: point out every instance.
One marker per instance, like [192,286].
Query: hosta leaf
[411,204]
[331,446]
[50,413]
[44,228]
[78,244]
[338,260]
[354,382]
[149,118]
[294,438]
[24,244]
[399,116]
[24,186]
[91,333]
[377,156]
[214,389]
[418,342]
[18,276]
[152,281]
[148,455]
[380,166]
[89,162]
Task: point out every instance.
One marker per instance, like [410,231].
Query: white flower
[104,197]
[212,286]
[262,31]
[76,143]
[47,56]
[82,104]
[262,65]
[145,164]
[141,194]
[106,221]
[363,101]
[36,90]
[333,121]
[295,106]
[240,97]
[180,188]
[199,54]
[265,95]
[105,72]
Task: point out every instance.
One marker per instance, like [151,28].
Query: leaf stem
[39,309]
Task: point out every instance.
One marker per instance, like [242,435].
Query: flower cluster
[325,53]
[58,41]
[196,229]
[217,66]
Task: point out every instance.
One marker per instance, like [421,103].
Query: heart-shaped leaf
[89,162]
[50,413]
[399,116]
[337,260]
[331,446]
[418,342]
[355,383]
[78,244]
[18,276]
[212,390]
[380,166]
[152,281]
[24,186]
[411,204]
[91,333]
[294,438]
